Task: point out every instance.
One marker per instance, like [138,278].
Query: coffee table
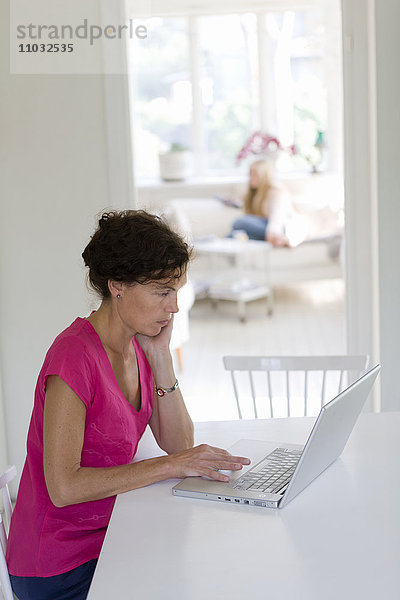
[237,270]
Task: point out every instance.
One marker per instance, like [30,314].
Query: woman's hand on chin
[159,342]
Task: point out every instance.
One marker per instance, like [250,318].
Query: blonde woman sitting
[266,207]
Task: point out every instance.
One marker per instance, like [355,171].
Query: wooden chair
[5,479]
[290,385]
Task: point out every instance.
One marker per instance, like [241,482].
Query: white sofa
[318,257]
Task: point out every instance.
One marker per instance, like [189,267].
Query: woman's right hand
[206,461]
[279,241]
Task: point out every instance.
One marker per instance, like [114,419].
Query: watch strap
[160,391]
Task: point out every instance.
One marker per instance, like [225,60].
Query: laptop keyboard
[274,476]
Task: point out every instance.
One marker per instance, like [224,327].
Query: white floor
[309,318]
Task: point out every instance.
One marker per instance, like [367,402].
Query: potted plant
[263,145]
[176,163]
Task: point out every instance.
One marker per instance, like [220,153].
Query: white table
[233,273]
[324,545]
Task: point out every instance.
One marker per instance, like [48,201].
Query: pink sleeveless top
[45,540]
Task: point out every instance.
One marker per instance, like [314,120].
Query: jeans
[72,585]
[254,226]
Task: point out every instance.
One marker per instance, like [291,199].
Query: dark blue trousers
[72,585]
[254,226]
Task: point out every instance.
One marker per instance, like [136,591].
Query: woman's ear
[115,288]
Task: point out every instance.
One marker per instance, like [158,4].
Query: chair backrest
[280,386]
[5,479]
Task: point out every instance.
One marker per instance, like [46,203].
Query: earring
[118,296]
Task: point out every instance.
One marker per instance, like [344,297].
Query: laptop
[278,472]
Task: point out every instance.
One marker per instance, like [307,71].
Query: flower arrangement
[263,143]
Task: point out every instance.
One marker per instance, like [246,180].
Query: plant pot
[175,166]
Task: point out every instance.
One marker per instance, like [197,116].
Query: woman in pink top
[103,380]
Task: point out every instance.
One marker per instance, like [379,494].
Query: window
[208,82]
[229,99]
[162,92]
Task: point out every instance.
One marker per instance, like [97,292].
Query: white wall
[3,441]
[360,178]
[372,183]
[387,19]
[54,174]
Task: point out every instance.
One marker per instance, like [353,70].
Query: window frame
[192,10]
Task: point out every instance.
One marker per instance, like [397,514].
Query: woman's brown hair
[133,246]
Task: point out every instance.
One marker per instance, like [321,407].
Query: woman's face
[254,178]
[147,308]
